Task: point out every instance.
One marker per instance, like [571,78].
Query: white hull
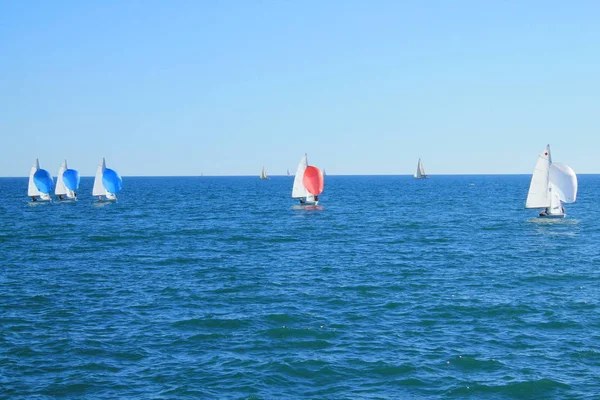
[553,216]
[309,203]
[106,200]
[43,198]
[66,199]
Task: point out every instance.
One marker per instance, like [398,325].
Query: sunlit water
[224,288]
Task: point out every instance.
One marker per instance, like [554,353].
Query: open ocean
[220,287]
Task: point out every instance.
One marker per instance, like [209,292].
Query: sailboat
[308,183]
[40,183]
[552,184]
[107,183]
[67,183]
[288,173]
[420,174]
[263,174]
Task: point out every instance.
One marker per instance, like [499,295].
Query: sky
[225,87]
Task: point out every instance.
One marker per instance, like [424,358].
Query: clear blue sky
[223,87]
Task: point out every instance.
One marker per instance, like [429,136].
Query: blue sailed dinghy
[40,183]
[107,183]
[67,183]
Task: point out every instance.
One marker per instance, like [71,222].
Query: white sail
[298,190]
[538,195]
[263,174]
[564,180]
[99,189]
[420,171]
[32,190]
[60,188]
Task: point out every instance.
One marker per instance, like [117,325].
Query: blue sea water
[221,287]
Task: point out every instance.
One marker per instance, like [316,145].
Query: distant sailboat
[288,173]
[107,183]
[263,174]
[67,183]
[551,185]
[420,174]
[40,183]
[308,183]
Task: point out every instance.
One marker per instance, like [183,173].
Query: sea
[225,288]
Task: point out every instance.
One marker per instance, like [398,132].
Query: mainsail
[32,190]
[538,196]
[420,171]
[98,189]
[298,190]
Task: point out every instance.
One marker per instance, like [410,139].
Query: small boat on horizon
[67,183]
[420,174]
[263,174]
[107,183]
[552,184]
[40,183]
[308,183]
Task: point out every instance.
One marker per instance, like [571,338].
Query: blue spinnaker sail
[112,181]
[71,179]
[43,181]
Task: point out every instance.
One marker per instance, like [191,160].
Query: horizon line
[289,176]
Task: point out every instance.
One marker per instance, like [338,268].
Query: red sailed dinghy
[308,183]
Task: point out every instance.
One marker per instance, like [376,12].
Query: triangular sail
[98,189]
[298,190]
[420,170]
[61,189]
[32,190]
[263,173]
[538,195]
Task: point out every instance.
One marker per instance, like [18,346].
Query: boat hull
[309,203]
[553,216]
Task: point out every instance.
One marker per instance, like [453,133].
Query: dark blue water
[221,288]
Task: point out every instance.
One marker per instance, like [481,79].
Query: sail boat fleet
[107,183]
[552,184]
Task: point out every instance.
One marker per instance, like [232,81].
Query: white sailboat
[61,190]
[552,184]
[288,173]
[420,174]
[299,189]
[263,174]
[39,186]
[107,183]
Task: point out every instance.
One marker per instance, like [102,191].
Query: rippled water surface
[224,288]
